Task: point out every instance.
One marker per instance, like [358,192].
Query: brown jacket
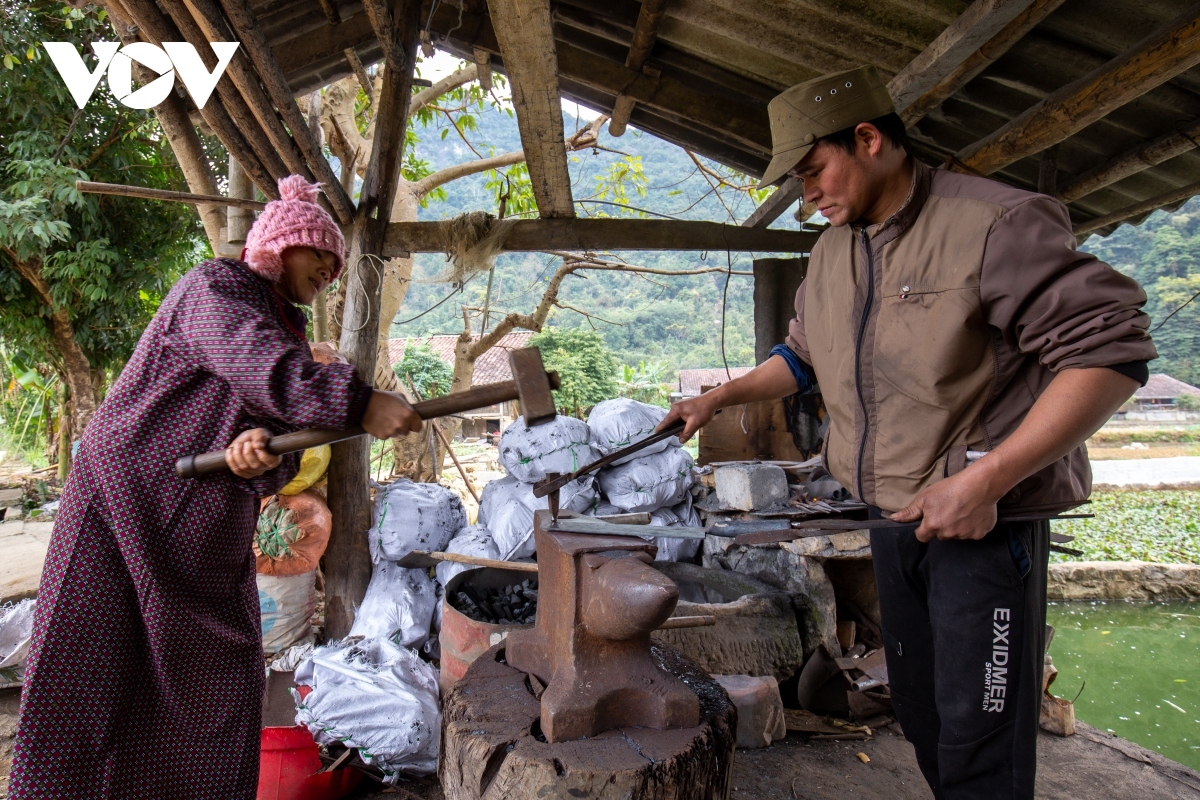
[937,340]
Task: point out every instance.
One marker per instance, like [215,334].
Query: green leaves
[586,368]
[1159,526]
[428,372]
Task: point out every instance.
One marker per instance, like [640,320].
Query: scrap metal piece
[599,600]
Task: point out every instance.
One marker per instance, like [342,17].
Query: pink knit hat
[293,220]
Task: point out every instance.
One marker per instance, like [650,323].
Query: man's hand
[389,415]
[696,412]
[959,507]
[247,455]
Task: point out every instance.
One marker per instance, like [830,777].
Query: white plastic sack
[472,541]
[377,697]
[680,516]
[650,482]
[286,604]
[413,516]
[579,496]
[398,606]
[561,445]
[16,628]
[507,518]
[621,422]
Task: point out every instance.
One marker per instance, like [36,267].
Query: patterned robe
[145,675]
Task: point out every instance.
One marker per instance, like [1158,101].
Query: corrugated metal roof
[721,61]
[491,367]
[1164,387]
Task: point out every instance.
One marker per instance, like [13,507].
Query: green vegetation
[80,275]
[1158,526]
[1113,437]
[1163,255]
[428,372]
[586,369]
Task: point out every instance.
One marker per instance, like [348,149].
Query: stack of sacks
[527,454]
[400,603]
[656,479]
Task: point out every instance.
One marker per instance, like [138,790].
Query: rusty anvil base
[598,601]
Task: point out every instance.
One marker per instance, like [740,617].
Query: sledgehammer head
[534,385]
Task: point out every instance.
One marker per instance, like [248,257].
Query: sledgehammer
[531,385]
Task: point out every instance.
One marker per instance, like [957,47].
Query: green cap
[820,107]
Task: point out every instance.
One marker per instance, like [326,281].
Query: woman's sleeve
[229,327]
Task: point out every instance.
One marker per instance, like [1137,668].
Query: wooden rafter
[1138,209]
[1145,155]
[238,136]
[773,207]
[241,20]
[1169,50]
[535,235]
[347,560]
[974,28]
[525,37]
[200,22]
[645,34]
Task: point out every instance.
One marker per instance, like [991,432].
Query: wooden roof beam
[1168,51]
[645,34]
[241,140]
[525,36]
[1145,155]
[241,20]
[596,234]
[963,37]
[778,202]
[1138,209]
[978,61]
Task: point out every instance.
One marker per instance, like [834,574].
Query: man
[965,350]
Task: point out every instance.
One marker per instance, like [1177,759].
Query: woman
[145,674]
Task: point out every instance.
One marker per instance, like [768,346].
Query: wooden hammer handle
[454,403]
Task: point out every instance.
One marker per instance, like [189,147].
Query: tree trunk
[75,366]
[488,751]
[64,435]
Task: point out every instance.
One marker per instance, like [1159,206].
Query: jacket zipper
[862,332]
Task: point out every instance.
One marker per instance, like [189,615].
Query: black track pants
[964,631]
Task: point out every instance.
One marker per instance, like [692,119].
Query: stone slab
[1123,580]
[22,554]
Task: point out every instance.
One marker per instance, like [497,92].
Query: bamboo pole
[94,187]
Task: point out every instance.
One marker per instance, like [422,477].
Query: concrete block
[759,709]
[751,487]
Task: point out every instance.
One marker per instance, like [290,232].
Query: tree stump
[493,748]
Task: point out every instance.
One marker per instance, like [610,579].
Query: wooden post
[240,219]
[775,283]
[1048,171]
[525,33]
[347,560]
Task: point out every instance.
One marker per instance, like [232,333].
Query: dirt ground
[793,769]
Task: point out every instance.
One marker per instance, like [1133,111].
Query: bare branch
[444,176]
[452,81]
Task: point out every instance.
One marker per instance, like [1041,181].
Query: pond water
[1141,664]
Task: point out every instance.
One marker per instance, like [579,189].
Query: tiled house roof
[491,367]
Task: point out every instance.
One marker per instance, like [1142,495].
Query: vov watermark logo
[117,61]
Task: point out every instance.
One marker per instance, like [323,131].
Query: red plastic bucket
[290,768]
